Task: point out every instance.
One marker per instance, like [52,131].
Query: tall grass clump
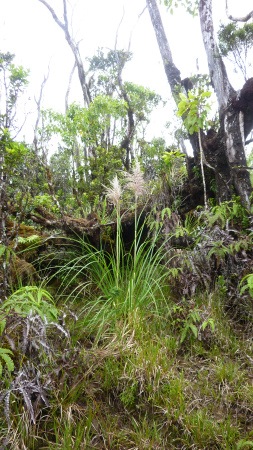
[120,284]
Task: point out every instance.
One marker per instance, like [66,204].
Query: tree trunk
[172,72]
[223,149]
[236,119]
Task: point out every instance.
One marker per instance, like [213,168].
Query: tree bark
[229,152]
[172,72]
[224,150]
[238,19]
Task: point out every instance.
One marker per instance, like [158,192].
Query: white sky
[28,30]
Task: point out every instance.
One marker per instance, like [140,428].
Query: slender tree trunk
[172,72]
[127,141]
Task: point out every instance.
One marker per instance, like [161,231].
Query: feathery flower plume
[135,181]
[114,192]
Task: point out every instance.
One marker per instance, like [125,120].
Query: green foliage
[151,157]
[112,60]
[142,100]
[98,141]
[29,242]
[243,443]
[124,284]
[170,157]
[227,214]
[15,154]
[127,281]
[153,341]
[104,69]
[191,6]
[5,357]
[232,37]
[250,164]
[194,109]
[219,250]
[166,212]
[236,40]
[46,201]
[31,299]
[13,80]
[5,252]
[246,284]
[189,326]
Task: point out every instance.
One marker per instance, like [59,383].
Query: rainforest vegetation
[126,281]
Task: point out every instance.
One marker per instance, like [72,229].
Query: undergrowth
[141,348]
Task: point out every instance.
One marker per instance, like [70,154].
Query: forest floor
[146,348]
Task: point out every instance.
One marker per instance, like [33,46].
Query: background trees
[116,112]
[95,142]
[13,156]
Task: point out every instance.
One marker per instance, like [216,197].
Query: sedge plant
[119,284]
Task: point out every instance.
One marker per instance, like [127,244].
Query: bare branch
[117,31]
[73,45]
[238,19]
[68,88]
[132,31]
[65,14]
[54,15]
[38,103]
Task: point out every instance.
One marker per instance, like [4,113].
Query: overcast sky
[28,30]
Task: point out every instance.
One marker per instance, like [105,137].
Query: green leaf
[2,325]
[2,249]
[208,322]
[194,330]
[8,361]
[184,334]
[31,298]
[242,443]
[166,211]
[4,355]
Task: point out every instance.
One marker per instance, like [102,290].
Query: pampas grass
[123,281]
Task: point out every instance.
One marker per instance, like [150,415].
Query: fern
[6,358]
[246,284]
[28,239]
[32,299]
[2,325]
